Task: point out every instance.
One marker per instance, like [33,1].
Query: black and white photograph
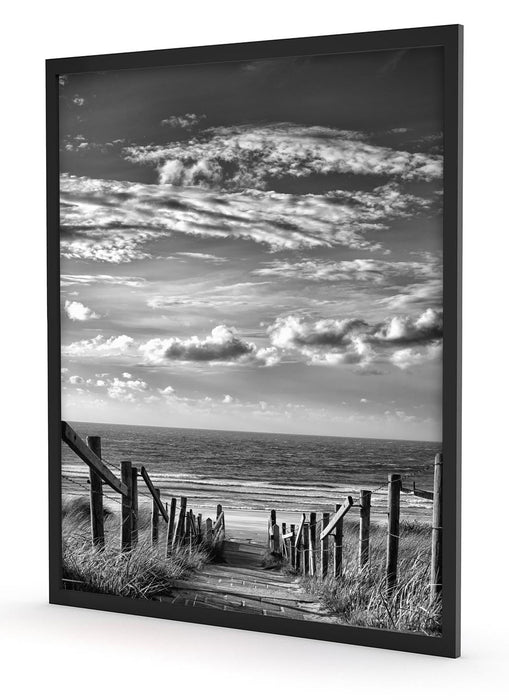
[251,278]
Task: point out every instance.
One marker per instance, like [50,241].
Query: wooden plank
[436,533]
[393,531]
[288,535]
[79,447]
[96,496]
[156,494]
[299,531]
[126,533]
[343,510]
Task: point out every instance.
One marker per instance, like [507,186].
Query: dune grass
[144,572]
[360,598]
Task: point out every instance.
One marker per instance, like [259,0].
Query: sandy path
[240,584]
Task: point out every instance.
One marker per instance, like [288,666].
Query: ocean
[259,471]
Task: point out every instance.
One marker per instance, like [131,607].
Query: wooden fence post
[135,506]
[436,533]
[219,511]
[298,554]
[284,543]
[393,498]
[181,522]
[305,540]
[275,539]
[324,547]
[270,530]
[96,496]
[155,520]
[171,526]
[312,544]
[338,546]
[292,545]
[365,517]
[199,527]
[208,531]
[126,470]
[187,536]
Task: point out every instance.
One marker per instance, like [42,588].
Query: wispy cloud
[359,270]
[206,257]
[114,221]
[249,155]
[183,121]
[96,280]
[100,346]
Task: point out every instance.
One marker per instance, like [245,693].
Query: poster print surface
[251,295]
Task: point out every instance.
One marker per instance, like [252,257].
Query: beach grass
[143,572]
[359,597]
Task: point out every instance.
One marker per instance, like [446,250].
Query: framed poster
[254,335]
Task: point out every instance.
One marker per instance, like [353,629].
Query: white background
[79,653]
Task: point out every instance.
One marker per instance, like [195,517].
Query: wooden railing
[183,528]
[314,547]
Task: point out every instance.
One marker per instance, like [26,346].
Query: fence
[184,529]
[315,547]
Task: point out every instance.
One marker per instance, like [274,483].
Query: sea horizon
[254,432]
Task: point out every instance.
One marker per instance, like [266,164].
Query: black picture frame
[451,39]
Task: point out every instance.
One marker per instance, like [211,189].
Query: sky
[255,245]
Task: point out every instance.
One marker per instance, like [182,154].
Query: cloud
[405,285]
[125,389]
[79,144]
[100,347]
[76,379]
[77,311]
[222,346]
[402,330]
[359,270]
[184,121]
[418,294]
[250,155]
[408,357]
[115,221]
[398,340]
[227,399]
[94,280]
[207,257]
